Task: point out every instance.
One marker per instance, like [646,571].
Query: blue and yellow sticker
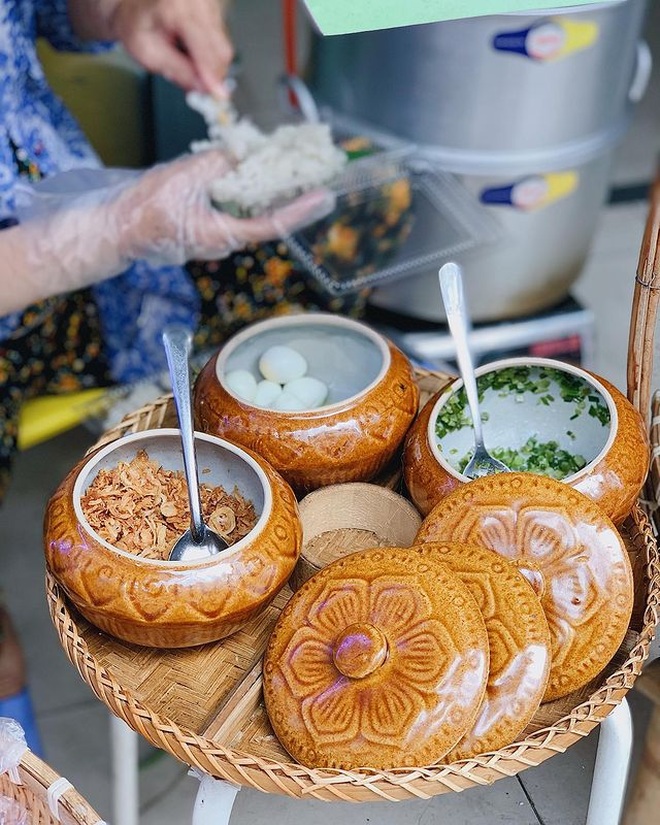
[533,191]
[548,40]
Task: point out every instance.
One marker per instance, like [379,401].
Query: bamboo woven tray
[48,798]
[203,705]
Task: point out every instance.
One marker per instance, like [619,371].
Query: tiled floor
[75,725]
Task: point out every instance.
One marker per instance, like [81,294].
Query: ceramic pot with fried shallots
[110,525]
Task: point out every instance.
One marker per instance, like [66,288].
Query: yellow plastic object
[49,415]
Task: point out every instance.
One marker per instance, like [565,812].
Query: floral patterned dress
[110,333]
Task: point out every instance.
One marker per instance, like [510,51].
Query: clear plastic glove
[84,226]
[168,217]
[12,744]
[12,812]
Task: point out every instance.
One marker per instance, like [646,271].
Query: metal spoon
[482,462]
[199,541]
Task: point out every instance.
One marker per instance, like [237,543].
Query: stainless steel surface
[496,84]
[569,328]
[509,103]
[538,256]
[199,540]
[482,462]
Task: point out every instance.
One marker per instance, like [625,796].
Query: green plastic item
[348,16]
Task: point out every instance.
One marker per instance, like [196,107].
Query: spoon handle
[453,296]
[177,341]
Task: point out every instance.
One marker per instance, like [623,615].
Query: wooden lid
[380,660]
[567,548]
[519,641]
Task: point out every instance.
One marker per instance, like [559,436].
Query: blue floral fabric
[35,125]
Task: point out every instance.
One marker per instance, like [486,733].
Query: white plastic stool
[125,773]
[215,797]
[214,802]
[608,786]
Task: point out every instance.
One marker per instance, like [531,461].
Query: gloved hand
[71,236]
[168,219]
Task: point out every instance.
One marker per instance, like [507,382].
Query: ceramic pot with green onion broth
[539,416]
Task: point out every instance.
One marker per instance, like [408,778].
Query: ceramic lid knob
[360,649]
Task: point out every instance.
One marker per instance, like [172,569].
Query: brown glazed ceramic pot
[174,604]
[372,400]
[617,459]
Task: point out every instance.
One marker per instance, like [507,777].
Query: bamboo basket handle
[644,310]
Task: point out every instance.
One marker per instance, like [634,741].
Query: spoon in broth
[482,462]
[199,540]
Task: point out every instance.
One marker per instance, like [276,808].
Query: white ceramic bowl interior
[537,399]
[347,356]
[219,464]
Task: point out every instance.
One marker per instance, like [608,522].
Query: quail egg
[242,383]
[310,392]
[282,364]
[266,393]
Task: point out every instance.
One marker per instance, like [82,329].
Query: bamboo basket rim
[296,780]
[293,779]
[49,798]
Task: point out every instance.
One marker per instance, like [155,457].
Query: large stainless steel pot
[498,84]
[547,215]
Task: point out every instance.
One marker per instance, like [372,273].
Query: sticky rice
[270,168]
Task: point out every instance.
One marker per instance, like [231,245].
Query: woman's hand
[164,216]
[185,41]
[167,216]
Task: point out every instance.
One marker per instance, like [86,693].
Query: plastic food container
[397,216]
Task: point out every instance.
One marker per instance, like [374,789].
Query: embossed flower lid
[519,641]
[379,661]
[568,549]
